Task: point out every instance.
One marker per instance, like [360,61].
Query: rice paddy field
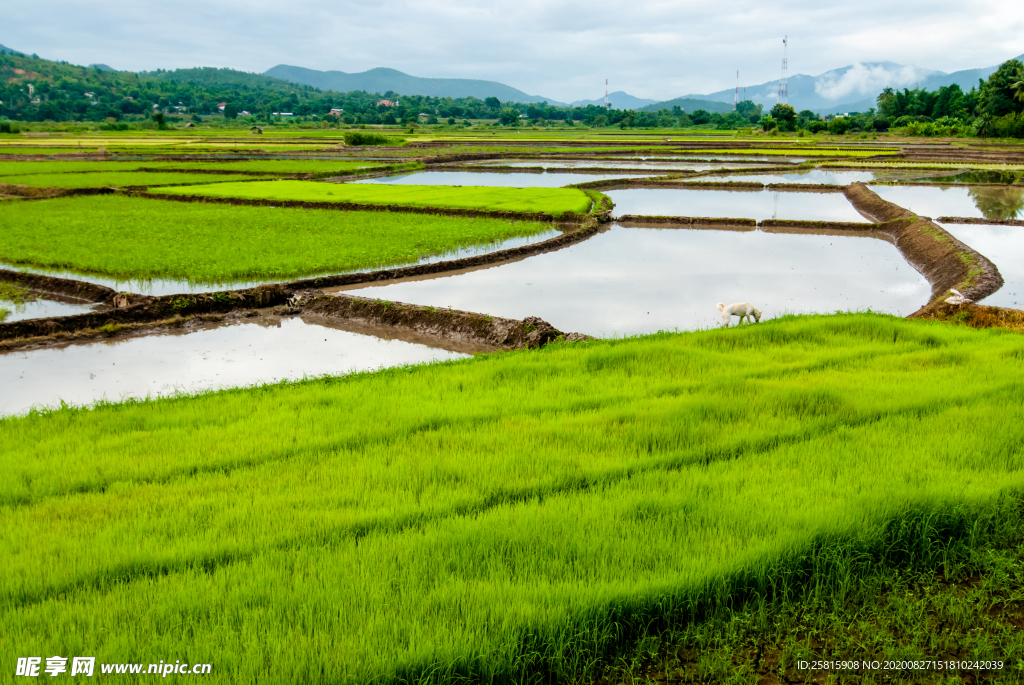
[681,506]
[509,516]
[553,201]
[132,237]
[101,179]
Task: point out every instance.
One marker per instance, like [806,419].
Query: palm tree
[1018,86]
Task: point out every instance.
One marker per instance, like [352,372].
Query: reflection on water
[983,202]
[838,178]
[638,163]
[641,280]
[39,309]
[1004,246]
[494,179]
[998,203]
[226,356]
[754,204]
[171,286]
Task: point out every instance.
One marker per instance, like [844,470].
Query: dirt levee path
[942,259]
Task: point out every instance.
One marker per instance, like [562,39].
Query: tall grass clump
[510,518]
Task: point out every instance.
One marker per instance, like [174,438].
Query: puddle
[1004,245]
[219,357]
[755,204]
[983,202]
[838,178]
[39,309]
[640,280]
[646,165]
[495,178]
[169,286]
[1004,177]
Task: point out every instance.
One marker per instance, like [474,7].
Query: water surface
[1004,246]
[839,178]
[982,202]
[640,280]
[219,357]
[40,309]
[753,204]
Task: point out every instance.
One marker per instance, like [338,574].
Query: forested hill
[34,89]
[381,80]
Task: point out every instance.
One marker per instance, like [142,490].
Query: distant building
[282,114]
[387,103]
[336,112]
[221,105]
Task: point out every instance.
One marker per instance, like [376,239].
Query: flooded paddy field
[641,163]
[1004,245]
[632,280]
[260,350]
[494,179]
[810,176]
[754,204]
[174,286]
[983,202]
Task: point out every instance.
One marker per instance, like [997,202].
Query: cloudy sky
[561,49]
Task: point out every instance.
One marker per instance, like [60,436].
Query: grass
[967,609]
[11,294]
[210,243]
[519,517]
[553,201]
[270,166]
[106,180]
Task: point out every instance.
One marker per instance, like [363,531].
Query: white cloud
[867,80]
[561,49]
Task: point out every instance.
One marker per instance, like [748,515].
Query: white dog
[744,310]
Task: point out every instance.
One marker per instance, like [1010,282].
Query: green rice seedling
[212,243]
[509,518]
[112,179]
[553,201]
[8,168]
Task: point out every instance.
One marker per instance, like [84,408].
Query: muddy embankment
[975,220]
[39,193]
[973,315]
[60,289]
[450,324]
[942,259]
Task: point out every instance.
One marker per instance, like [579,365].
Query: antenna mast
[607,105]
[736,97]
[784,81]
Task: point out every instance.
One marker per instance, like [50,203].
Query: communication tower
[784,81]
[736,97]
[607,105]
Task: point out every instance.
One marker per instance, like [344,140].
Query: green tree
[998,94]
[785,115]
[509,116]
[493,103]
[701,116]
[231,111]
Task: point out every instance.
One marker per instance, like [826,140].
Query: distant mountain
[102,67]
[690,105]
[852,88]
[618,99]
[381,80]
[4,49]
